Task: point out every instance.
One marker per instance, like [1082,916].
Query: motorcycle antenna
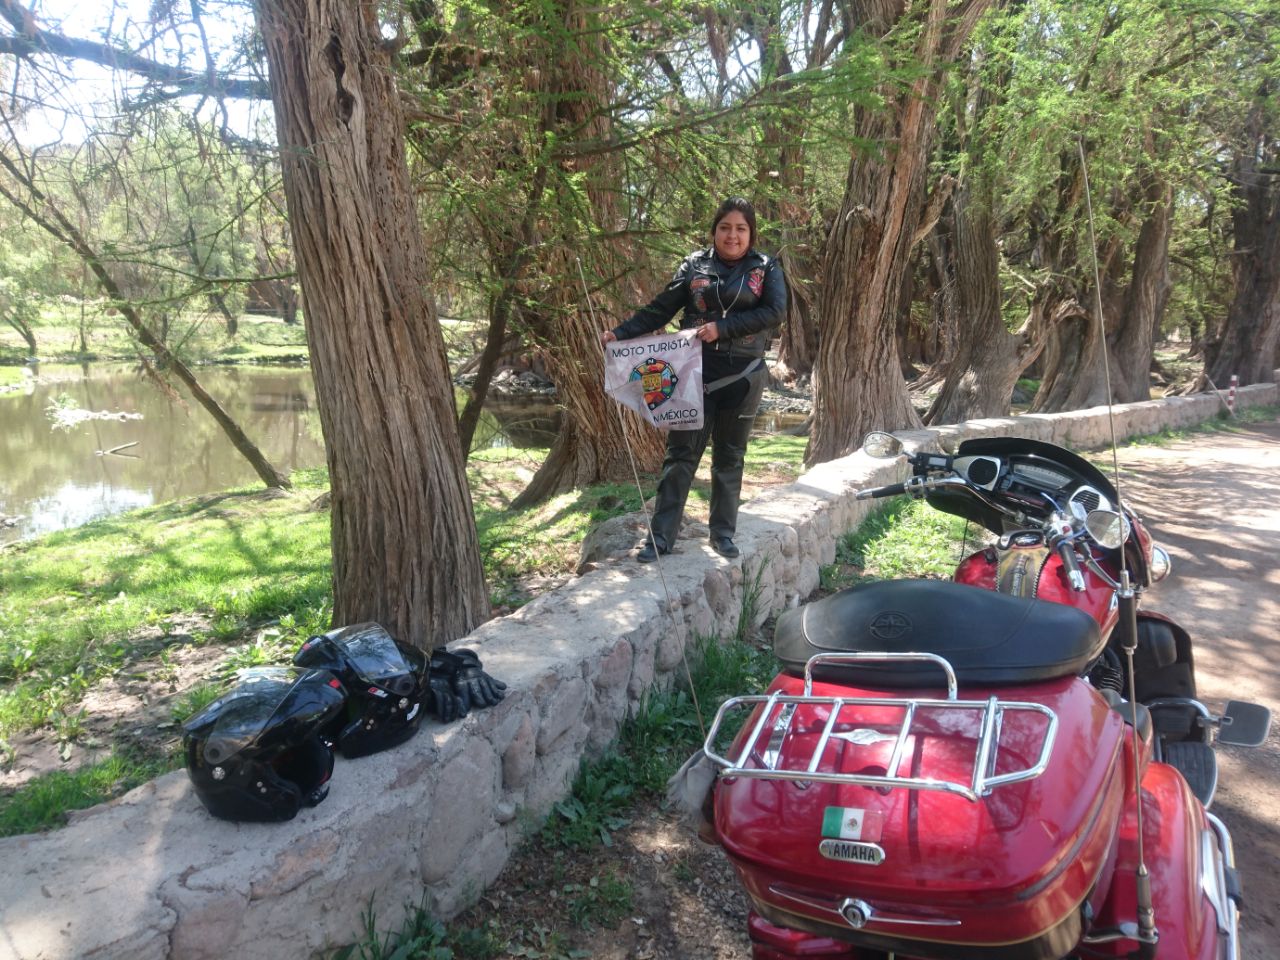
[1147,934]
[648,521]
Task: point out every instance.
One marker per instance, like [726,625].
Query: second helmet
[385,680]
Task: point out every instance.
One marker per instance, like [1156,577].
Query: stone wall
[151,875]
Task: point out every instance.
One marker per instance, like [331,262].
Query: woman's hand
[708,333]
[607,336]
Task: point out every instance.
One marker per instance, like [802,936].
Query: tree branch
[47,216]
[30,40]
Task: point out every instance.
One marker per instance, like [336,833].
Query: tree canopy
[919,167]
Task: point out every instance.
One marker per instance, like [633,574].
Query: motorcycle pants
[729,414]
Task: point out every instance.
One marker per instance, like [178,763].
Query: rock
[618,536]
[615,537]
[518,759]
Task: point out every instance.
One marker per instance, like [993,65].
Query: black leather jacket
[743,299]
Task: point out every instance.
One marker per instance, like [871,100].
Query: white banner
[660,377]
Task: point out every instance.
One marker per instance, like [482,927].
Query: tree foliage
[922,168]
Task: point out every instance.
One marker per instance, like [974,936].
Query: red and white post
[1231,394]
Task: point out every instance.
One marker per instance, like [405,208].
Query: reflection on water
[52,478]
[75,503]
[516,423]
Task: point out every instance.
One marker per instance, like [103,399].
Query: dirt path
[1212,502]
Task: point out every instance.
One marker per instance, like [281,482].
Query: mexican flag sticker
[851,823]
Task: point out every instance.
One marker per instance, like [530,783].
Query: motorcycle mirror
[1107,527]
[882,446]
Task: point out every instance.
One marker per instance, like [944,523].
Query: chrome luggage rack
[980,784]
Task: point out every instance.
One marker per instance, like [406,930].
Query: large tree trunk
[596,443]
[1063,311]
[404,542]
[798,342]
[1133,347]
[984,360]
[598,440]
[981,360]
[1135,291]
[859,385]
[780,178]
[1246,345]
[1072,355]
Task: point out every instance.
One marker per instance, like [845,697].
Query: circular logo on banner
[658,379]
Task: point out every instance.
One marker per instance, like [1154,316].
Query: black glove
[441,702]
[473,687]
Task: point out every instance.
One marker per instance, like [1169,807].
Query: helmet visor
[372,653]
[240,715]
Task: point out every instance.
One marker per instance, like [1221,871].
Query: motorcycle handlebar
[1072,565]
[892,490]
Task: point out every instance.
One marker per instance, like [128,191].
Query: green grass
[775,452]
[600,902]
[192,701]
[653,744]
[905,538]
[196,337]
[420,937]
[1222,423]
[44,801]
[73,604]
[544,539]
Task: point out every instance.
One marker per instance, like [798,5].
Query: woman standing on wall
[731,294]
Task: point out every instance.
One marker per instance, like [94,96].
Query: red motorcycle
[1010,766]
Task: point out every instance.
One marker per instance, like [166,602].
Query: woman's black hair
[744,207]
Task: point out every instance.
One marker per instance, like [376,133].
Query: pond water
[54,476]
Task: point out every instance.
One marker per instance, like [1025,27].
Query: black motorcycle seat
[988,638]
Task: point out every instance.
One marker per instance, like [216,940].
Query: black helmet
[386,684]
[256,753]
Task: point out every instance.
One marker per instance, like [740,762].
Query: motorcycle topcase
[895,859]
[934,821]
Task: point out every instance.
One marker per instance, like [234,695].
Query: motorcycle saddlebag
[921,870]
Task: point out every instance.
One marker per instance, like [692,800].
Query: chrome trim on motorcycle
[851,909]
[980,783]
[1228,912]
[878,657]
[1121,931]
[1161,565]
[1207,719]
